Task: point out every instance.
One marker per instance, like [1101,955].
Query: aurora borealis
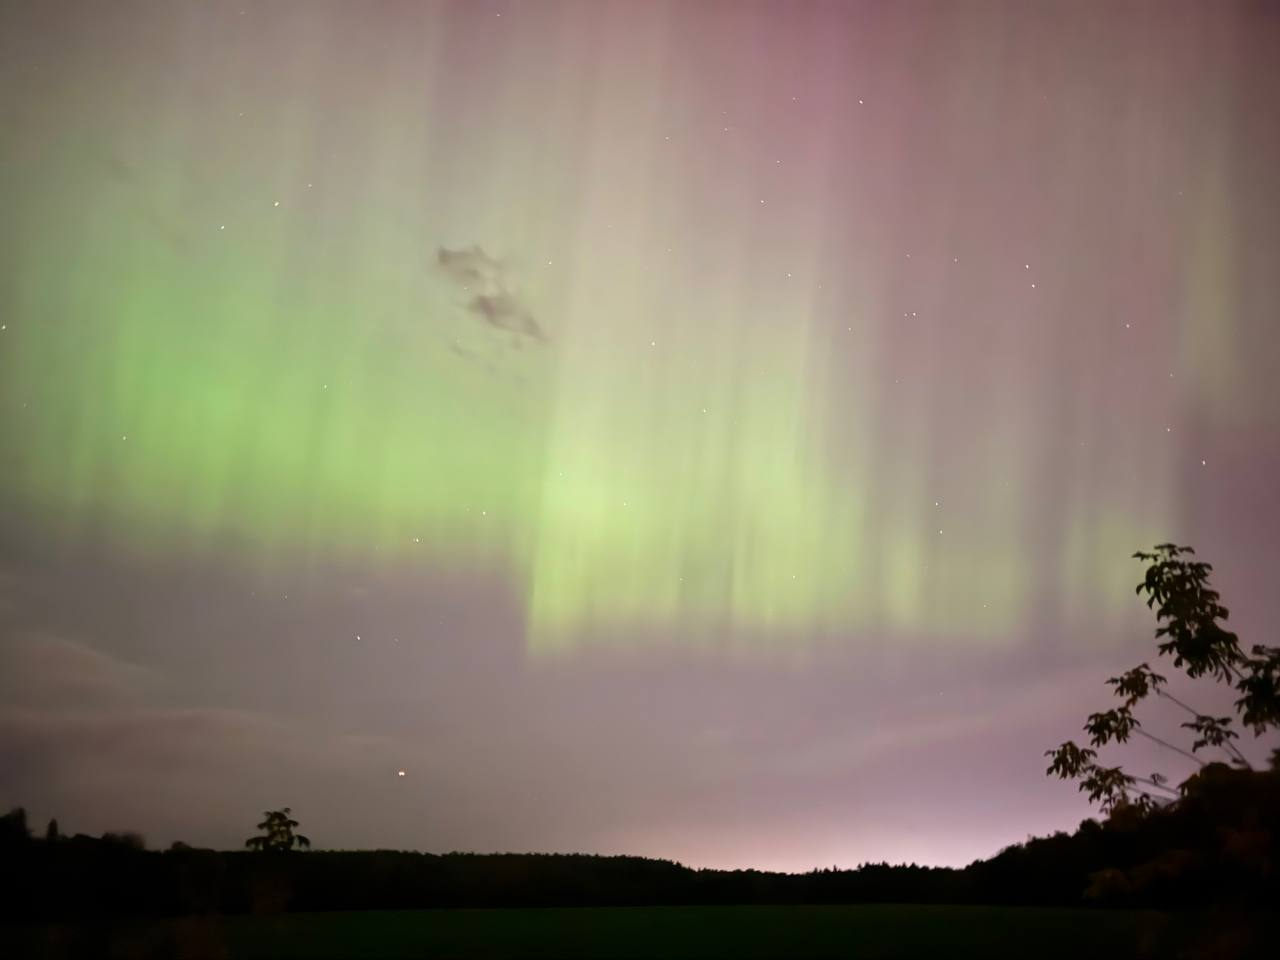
[679,415]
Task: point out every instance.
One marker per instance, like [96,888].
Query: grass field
[872,931]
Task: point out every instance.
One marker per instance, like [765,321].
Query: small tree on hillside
[1190,627]
[277,835]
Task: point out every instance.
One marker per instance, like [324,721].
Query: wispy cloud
[44,669]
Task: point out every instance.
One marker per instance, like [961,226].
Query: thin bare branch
[1165,743]
[1170,696]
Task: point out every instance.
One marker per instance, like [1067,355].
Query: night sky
[713,431]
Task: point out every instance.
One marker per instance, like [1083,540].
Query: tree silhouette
[278,835]
[13,827]
[1189,627]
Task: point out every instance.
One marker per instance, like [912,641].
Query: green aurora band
[219,336]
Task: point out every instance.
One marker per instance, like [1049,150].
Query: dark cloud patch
[489,293]
[504,312]
[470,268]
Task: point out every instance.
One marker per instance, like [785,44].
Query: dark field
[848,931]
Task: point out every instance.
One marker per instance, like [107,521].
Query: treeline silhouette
[1217,845]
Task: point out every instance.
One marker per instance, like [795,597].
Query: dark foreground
[869,931]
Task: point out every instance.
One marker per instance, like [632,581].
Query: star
[400,773]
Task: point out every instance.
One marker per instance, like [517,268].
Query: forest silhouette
[1217,845]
